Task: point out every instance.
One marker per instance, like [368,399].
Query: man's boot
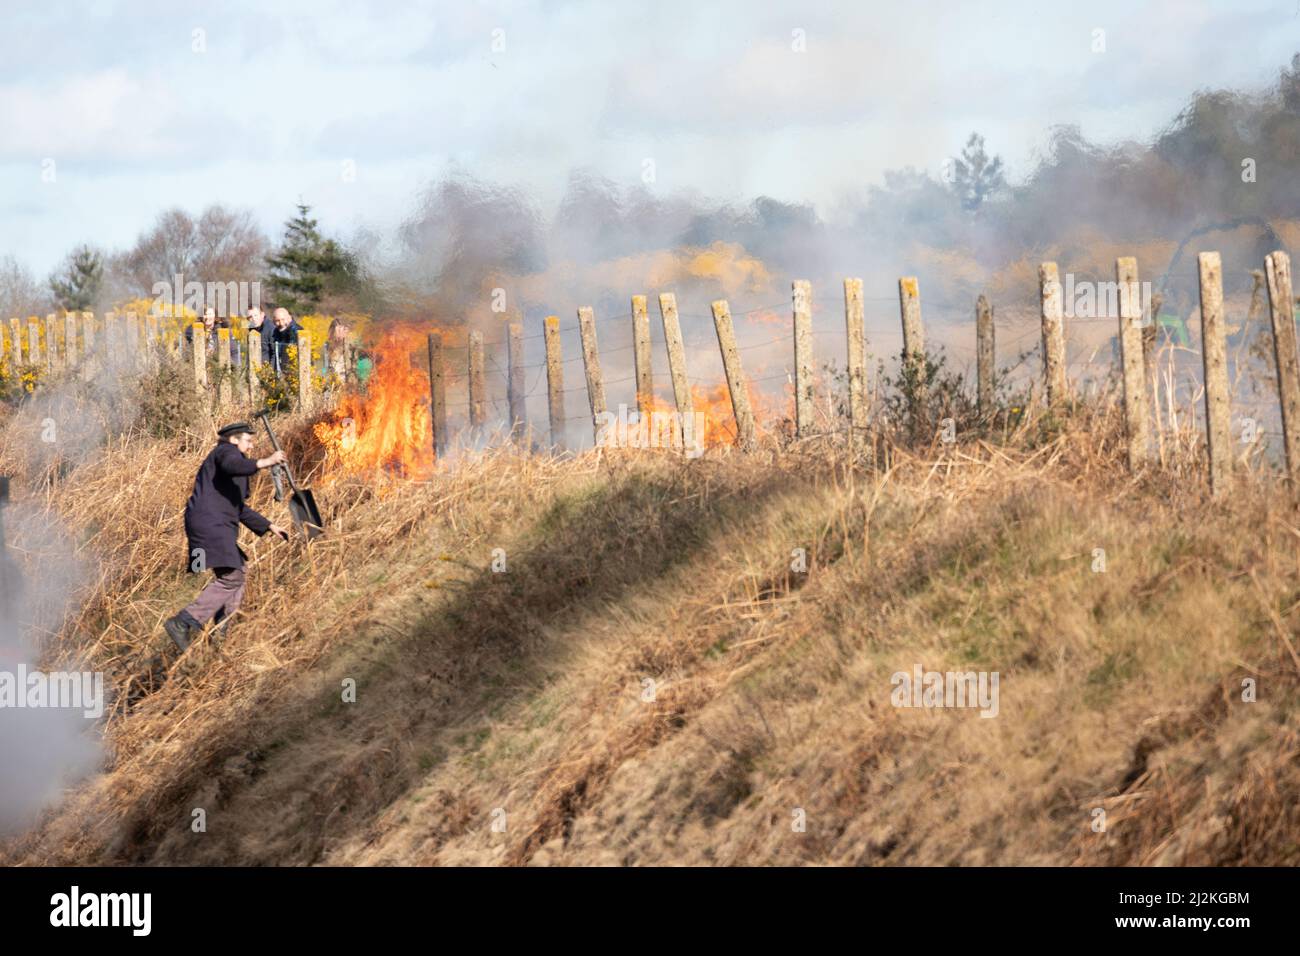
[181,630]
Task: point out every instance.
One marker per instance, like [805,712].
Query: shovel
[302,503]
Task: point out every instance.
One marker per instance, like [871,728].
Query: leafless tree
[221,245]
[20,294]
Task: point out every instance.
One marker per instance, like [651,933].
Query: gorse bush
[169,404]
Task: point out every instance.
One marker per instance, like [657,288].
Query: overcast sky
[133,111]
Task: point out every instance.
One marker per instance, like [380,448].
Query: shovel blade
[302,507]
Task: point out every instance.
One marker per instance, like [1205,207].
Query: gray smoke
[65,424]
[42,749]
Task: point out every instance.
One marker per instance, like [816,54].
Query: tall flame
[386,428]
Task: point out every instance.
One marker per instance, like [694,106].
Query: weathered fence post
[554,378]
[1053,318]
[151,339]
[591,362]
[133,338]
[88,335]
[111,339]
[677,370]
[437,394]
[856,340]
[801,295]
[1277,269]
[70,339]
[304,370]
[1132,358]
[16,340]
[740,407]
[985,355]
[51,343]
[476,397]
[223,367]
[251,368]
[1214,357]
[198,356]
[909,304]
[515,387]
[645,387]
[33,342]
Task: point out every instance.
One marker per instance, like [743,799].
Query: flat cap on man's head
[235,428]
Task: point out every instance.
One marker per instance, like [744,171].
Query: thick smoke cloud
[42,749]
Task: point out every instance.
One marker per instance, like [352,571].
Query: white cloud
[713,92]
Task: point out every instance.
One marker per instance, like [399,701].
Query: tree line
[306,271]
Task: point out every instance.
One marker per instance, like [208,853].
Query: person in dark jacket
[258,322]
[285,334]
[213,515]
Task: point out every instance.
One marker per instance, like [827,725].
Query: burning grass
[523,695]
[387,427]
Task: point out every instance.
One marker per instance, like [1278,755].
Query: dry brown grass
[520,696]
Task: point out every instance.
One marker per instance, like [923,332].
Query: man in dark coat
[284,335]
[213,515]
[259,323]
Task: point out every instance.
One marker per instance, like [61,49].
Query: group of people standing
[277,334]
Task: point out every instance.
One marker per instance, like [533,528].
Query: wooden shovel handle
[288,473]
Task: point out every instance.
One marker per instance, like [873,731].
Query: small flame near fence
[387,429]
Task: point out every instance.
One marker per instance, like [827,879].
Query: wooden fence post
[591,363]
[33,342]
[133,339]
[477,413]
[1277,269]
[645,386]
[88,335]
[51,343]
[251,367]
[198,356]
[909,304]
[1133,361]
[70,339]
[223,367]
[1214,357]
[801,295]
[515,388]
[437,394]
[554,378]
[16,340]
[1053,319]
[677,371]
[740,407]
[985,355]
[856,340]
[304,370]
[111,339]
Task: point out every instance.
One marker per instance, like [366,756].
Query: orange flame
[715,405]
[386,428]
